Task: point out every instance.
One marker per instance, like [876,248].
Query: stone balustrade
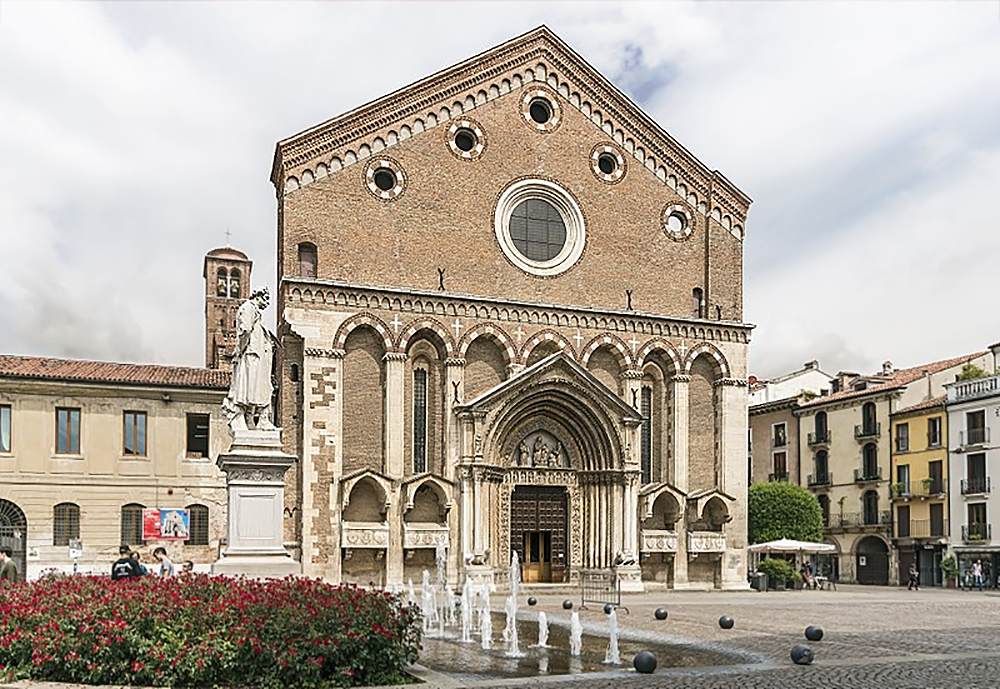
[706,542]
[364,535]
[424,535]
[658,541]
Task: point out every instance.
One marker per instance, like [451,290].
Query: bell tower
[227,284]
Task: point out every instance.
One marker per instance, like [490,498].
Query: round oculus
[607,163]
[540,110]
[539,226]
[676,222]
[465,140]
[385,179]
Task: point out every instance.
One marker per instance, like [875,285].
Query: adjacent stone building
[511,310]
[847,453]
[85,446]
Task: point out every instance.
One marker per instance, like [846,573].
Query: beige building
[845,451]
[85,446]
[511,307]
[774,442]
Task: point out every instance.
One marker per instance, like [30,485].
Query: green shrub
[779,572]
[949,567]
[200,631]
[783,510]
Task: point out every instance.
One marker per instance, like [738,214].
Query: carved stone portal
[540,449]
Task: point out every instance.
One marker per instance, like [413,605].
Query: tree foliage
[971,372]
[783,510]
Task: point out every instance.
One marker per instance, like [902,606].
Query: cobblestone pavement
[878,638]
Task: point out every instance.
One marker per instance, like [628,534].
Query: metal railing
[848,520]
[600,587]
[820,479]
[973,436]
[781,476]
[867,430]
[779,441]
[819,437]
[922,528]
[975,485]
[863,475]
[977,533]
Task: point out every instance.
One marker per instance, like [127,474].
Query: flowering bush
[202,631]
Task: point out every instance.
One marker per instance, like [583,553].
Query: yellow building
[919,488]
[86,446]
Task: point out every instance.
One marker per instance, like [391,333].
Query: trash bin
[758,581]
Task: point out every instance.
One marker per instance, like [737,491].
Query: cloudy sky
[134,134]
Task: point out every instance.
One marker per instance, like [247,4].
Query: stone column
[680,424]
[630,575]
[454,377]
[681,556]
[395,367]
[631,387]
[732,395]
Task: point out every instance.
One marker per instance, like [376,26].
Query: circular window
[537,230]
[541,110]
[384,178]
[466,139]
[539,227]
[607,163]
[677,221]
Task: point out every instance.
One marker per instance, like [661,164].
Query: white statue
[248,404]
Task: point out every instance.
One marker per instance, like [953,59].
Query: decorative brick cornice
[730,382]
[537,58]
[632,374]
[320,353]
[454,361]
[681,378]
[394,356]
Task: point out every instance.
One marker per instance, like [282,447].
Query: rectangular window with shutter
[67,431]
[134,433]
[5,443]
[645,411]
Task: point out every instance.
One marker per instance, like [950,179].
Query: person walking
[8,568]
[977,574]
[914,579]
[166,566]
[125,567]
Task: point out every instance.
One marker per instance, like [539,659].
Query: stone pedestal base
[629,578]
[255,469]
[479,574]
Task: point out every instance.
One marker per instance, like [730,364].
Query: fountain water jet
[465,604]
[575,635]
[613,656]
[411,595]
[485,621]
[427,603]
[543,630]
[510,632]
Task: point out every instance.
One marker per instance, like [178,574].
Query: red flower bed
[204,631]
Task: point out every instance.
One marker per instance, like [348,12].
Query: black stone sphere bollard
[814,633]
[726,622]
[660,614]
[801,655]
[532,600]
[644,662]
[608,608]
[567,604]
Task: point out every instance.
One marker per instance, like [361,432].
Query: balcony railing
[975,485]
[900,490]
[865,431]
[819,437]
[922,528]
[971,389]
[977,533]
[778,476]
[864,475]
[849,520]
[779,441]
[823,479]
[973,436]
[919,489]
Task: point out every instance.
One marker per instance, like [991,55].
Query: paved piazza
[883,638]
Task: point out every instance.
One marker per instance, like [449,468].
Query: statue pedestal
[255,469]
[629,578]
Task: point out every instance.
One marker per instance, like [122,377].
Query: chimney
[927,375]
[811,365]
[887,368]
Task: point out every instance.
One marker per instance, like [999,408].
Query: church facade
[510,310]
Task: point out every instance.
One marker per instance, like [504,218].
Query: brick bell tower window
[539,227]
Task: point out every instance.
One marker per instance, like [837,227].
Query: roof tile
[45,368]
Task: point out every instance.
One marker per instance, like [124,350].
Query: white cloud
[136,133]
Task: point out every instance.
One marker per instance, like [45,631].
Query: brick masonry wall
[701,426]
[484,367]
[363,405]
[444,219]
